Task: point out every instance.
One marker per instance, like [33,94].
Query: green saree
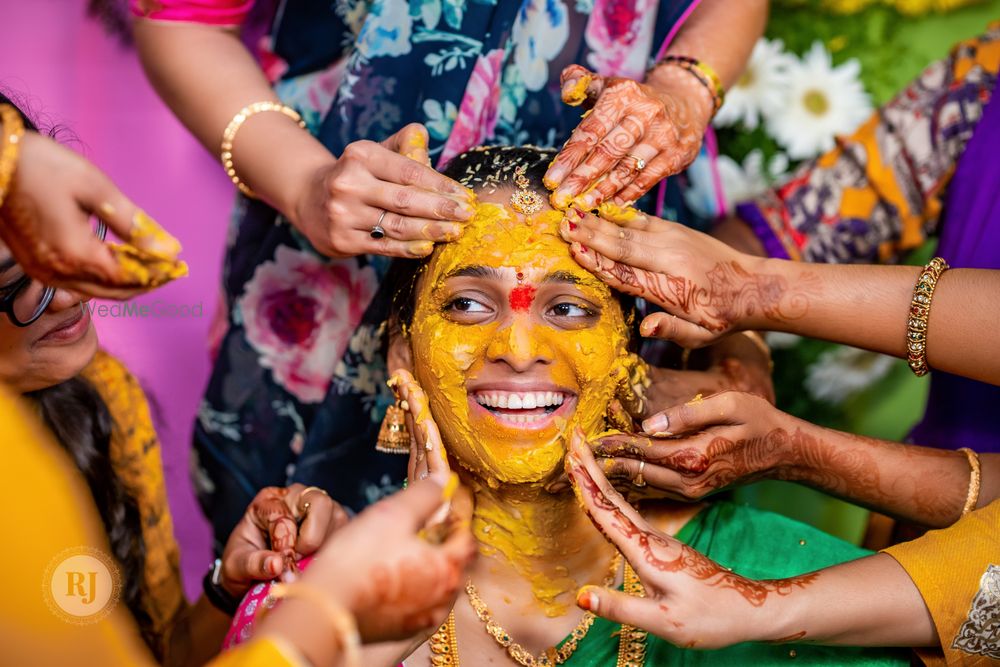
[759,545]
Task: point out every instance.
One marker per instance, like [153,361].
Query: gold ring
[306,505]
[638,480]
[640,164]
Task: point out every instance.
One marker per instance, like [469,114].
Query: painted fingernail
[572,226]
[587,599]
[656,424]
[148,235]
[420,248]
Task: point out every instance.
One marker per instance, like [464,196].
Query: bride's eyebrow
[476,271]
[570,279]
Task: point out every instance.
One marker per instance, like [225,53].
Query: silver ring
[378,231]
[640,164]
[639,480]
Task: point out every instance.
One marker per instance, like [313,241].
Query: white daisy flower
[843,372]
[759,90]
[820,101]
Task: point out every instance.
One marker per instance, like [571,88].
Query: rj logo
[83,584]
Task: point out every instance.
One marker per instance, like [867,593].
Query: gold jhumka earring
[393,436]
[524,200]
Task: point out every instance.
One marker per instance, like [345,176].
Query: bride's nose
[519,346]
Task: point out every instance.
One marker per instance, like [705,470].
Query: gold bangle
[226,151]
[920,309]
[705,74]
[975,480]
[10,145]
[344,626]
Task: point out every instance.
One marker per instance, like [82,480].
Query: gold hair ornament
[524,200]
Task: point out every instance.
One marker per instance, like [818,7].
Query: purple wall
[73,75]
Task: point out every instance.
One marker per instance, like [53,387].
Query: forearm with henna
[665,555]
[729,294]
[923,485]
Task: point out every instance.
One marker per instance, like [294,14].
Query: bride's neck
[543,539]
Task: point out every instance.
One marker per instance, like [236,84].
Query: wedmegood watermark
[82,585]
[157,309]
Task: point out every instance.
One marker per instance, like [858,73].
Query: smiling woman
[516,346]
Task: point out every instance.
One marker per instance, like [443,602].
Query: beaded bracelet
[226,151]
[10,144]
[701,71]
[920,309]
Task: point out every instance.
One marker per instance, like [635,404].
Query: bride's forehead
[497,231]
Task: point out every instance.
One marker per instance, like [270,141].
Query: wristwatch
[220,598]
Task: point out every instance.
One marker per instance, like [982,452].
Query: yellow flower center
[815,102]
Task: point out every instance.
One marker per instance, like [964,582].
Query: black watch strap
[216,594]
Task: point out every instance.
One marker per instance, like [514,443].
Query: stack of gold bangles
[701,71]
[920,309]
[226,150]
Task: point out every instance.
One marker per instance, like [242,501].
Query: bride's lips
[69,329]
[523,407]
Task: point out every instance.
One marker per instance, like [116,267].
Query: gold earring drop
[393,436]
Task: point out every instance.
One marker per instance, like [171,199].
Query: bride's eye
[465,307]
[568,309]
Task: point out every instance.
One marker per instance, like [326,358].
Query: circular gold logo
[82,585]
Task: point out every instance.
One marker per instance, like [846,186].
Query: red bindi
[521,297]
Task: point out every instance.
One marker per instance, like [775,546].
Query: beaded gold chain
[632,641]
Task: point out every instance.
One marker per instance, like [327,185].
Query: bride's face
[515,344]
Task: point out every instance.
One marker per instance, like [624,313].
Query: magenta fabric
[210,12]
[72,75]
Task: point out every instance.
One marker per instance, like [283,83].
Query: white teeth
[523,401]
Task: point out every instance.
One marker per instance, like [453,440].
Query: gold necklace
[631,648]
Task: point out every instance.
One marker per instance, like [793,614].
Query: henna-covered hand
[280,526]
[706,288]
[427,454]
[703,446]
[691,601]
[46,224]
[385,570]
[628,122]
